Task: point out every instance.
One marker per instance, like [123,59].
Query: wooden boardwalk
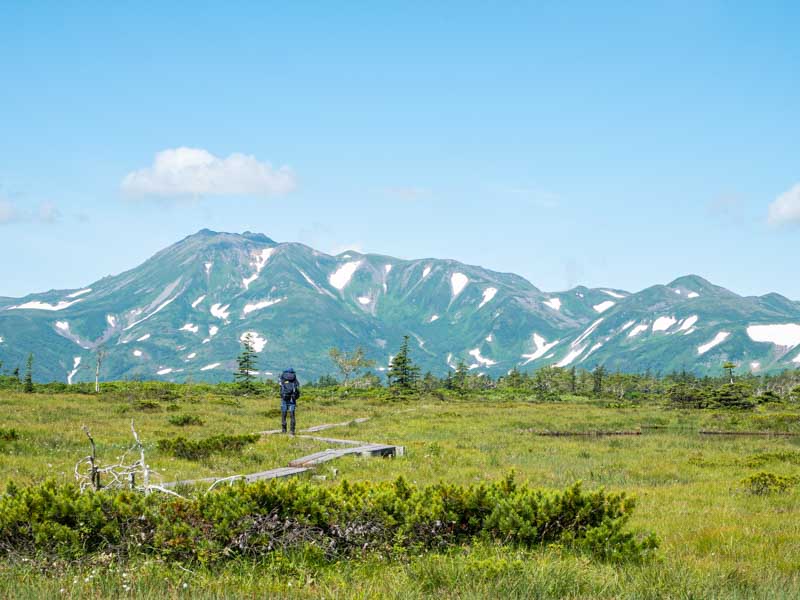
[306,463]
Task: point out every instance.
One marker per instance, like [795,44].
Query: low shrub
[764,483]
[184,420]
[180,447]
[8,434]
[758,460]
[343,521]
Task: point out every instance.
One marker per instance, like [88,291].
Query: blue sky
[605,144]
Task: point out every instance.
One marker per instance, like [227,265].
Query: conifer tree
[246,364]
[573,381]
[403,373]
[597,379]
[28,385]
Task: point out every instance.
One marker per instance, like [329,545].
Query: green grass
[717,540]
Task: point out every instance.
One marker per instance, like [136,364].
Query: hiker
[290,392]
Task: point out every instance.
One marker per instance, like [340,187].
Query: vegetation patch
[184,420]
[180,447]
[787,456]
[765,483]
[343,521]
[8,434]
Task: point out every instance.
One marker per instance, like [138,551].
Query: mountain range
[183,314]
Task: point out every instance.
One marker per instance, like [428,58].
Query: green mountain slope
[182,314]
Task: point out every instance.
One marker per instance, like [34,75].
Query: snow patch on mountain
[626,326]
[488,295]
[111,320]
[144,338]
[433,318]
[786,335]
[597,346]
[554,303]
[541,346]
[166,371]
[221,312]
[458,281]
[258,342]
[208,266]
[567,360]
[163,304]
[387,269]
[342,276]
[364,300]
[190,327]
[191,356]
[612,294]
[663,323]
[692,295]
[718,339]
[198,301]
[1,339]
[209,367]
[755,365]
[248,308]
[638,329]
[314,284]
[137,353]
[62,325]
[259,262]
[476,354]
[604,306]
[36,305]
[688,323]
[213,330]
[79,293]
[796,359]
[426,271]
[587,333]
[76,362]
[489,338]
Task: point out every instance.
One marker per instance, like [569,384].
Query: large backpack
[290,391]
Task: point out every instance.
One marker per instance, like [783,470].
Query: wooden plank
[271,474]
[276,473]
[333,440]
[316,428]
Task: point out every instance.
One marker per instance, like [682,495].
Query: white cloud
[786,207]
[197,172]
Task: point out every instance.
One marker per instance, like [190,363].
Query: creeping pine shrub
[764,483]
[347,520]
[184,420]
[8,434]
[180,447]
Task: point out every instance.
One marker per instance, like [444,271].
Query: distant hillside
[182,314]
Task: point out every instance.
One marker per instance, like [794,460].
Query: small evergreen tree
[246,364]
[28,385]
[403,373]
[597,379]
[573,381]
[729,367]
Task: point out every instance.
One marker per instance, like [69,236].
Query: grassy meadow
[718,539]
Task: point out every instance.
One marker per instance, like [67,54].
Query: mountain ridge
[182,313]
